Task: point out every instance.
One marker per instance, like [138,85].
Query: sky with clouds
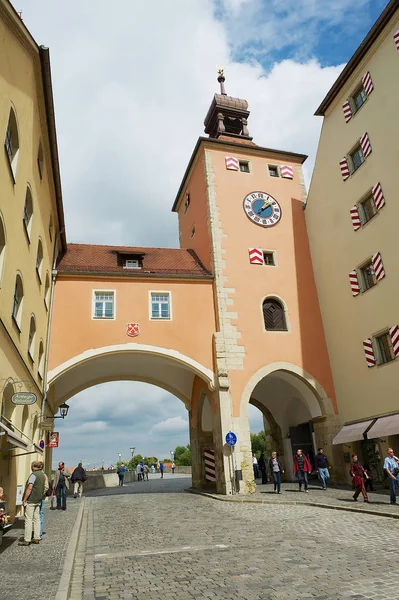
[132,83]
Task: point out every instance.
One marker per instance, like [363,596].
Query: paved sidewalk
[337,497]
[34,571]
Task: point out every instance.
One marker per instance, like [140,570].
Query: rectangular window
[368,209]
[268,258]
[368,277]
[273,171]
[104,305]
[385,352]
[359,98]
[357,158]
[244,166]
[132,264]
[160,305]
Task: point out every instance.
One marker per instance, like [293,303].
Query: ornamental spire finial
[221,80]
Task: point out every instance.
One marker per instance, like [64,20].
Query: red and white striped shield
[232,163]
[369,352]
[355,218]
[379,199]
[396,39]
[365,144]
[394,333]
[346,107]
[132,329]
[210,468]
[287,172]
[378,266]
[255,256]
[367,83]
[343,165]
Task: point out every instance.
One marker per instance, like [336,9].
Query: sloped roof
[98,259]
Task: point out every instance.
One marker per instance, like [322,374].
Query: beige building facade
[31,218]
[351,215]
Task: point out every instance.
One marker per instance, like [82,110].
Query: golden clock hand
[266,204]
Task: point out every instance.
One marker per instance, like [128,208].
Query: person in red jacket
[301,469]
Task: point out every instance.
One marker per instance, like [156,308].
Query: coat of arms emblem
[132,329]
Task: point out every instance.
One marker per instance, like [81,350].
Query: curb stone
[67,571]
[366,511]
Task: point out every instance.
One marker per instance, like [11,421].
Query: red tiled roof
[96,259]
[236,140]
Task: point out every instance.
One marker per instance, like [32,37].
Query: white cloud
[171,425]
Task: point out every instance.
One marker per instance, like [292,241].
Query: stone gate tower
[240,209]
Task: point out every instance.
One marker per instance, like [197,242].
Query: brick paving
[34,571]
[141,545]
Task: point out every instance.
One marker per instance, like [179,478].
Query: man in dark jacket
[78,478]
[322,465]
[34,492]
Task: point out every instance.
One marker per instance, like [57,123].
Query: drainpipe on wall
[50,315]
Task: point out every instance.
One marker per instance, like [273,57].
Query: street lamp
[63,412]
[132,449]
[172,455]
[120,456]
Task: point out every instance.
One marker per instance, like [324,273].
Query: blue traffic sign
[231,438]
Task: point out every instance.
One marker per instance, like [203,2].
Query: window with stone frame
[274,315]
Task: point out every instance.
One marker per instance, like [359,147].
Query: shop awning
[352,433]
[13,438]
[384,426]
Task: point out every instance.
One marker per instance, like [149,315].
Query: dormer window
[132,263]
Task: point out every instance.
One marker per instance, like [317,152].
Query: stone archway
[178,374]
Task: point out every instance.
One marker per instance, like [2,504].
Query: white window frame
[40,360]
[132,260]
[39,264]
[93,304]
[377,350]
[152,293]
[47,291]
[32,340]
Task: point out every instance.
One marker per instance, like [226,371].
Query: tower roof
[227,116]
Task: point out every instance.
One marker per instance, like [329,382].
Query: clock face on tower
[262,209]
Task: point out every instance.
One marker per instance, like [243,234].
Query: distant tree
[133,462]
[183,456]
[150,460]
[258,443]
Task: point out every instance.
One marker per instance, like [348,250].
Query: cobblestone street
[179,546]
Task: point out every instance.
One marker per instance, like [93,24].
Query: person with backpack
[78,478]
[121,474]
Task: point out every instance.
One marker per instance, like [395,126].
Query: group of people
[302,468]
[38,487]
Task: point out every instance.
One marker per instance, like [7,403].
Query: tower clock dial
[262,209]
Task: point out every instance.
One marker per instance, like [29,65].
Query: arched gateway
[228,319]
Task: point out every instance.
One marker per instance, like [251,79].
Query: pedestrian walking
[61,484]
[78,478]
[139,471]
[358,472]
[301,469]
[161,468]
[173,467]
[46,493]
[391,466]
[262,468]
[146,470]
[322,467]
[33,495]
[255,466]
[121,474]
[276,470]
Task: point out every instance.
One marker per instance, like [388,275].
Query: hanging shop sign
[23,398]
[53,439]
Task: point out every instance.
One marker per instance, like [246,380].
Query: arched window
[47,291]
[274,315]
[11,143]
[28,212]
[18,301]
[40,161]
[32,337]
[2,245]
[40,360]
[39,260]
